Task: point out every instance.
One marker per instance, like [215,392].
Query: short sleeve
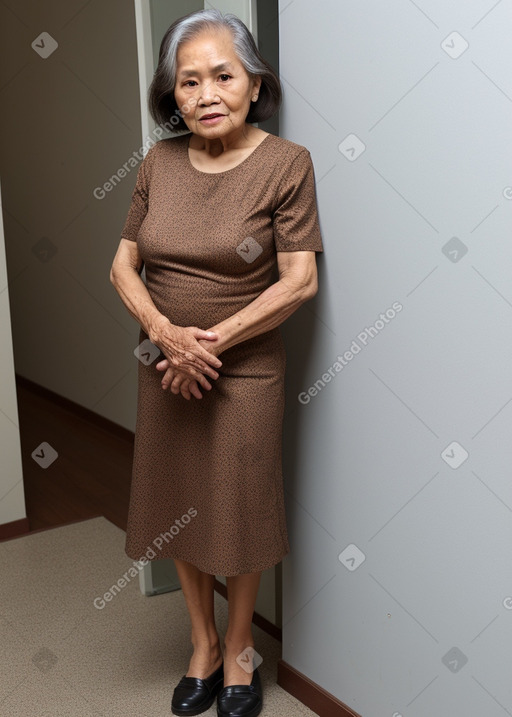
[295,216]
[139,202]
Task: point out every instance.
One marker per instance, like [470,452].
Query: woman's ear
[256,85]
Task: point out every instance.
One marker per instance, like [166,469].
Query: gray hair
[161,100]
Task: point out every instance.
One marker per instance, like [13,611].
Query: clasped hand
[191,355]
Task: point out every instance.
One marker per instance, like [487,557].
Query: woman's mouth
[212,118]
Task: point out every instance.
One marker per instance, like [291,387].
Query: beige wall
[70,121]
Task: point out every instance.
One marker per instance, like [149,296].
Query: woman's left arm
[297,283]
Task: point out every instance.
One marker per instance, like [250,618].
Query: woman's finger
[190,388]
[184,389]
[171,373]
[173,369]
[184,347]
[176,383]
[193,368]
[168,377]
[194,389]
[182,350]
[200,334]
[162,365]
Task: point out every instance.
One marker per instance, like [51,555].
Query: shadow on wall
[300,335]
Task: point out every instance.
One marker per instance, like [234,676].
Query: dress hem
[207,569]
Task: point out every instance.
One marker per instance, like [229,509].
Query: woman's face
[211,80]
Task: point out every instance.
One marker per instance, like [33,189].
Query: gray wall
[397,590]
[163,14]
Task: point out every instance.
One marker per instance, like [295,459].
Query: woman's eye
[187,83]
[227,77]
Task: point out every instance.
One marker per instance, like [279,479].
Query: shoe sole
[253,713]
[196,711]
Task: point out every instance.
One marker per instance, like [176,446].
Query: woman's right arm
[179,345]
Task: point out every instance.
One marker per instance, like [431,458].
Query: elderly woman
[224,220]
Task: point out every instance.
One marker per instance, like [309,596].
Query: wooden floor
[91,475]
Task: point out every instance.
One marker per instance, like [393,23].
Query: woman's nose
[208,93]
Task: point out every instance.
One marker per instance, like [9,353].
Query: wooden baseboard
[85,413]
[309,693]
[28,531]
[14,529]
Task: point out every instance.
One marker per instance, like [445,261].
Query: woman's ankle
[235,647]
[211,642]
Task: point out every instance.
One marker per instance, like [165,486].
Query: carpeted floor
[62,656]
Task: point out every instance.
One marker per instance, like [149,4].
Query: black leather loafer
[192,695]
[241,700]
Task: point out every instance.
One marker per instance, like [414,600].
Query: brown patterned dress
[207,482]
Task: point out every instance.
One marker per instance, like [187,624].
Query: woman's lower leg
[242,593]
[198,589]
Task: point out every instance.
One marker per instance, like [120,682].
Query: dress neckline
[226,171]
